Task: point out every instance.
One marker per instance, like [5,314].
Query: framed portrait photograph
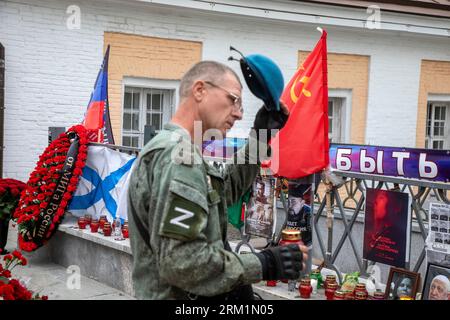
[437,283]
[400,283]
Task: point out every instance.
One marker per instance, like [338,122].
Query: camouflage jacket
[180,210]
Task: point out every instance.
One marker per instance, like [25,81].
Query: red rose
[8,257]
[24,261]
[43,205]
[44,297]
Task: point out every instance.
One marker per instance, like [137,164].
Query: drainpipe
[2,104]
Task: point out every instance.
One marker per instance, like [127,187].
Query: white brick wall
[50,70]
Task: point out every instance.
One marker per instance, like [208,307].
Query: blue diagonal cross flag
[103,186]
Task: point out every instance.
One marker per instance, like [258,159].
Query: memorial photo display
[439,224]
[387,227]
[260,216]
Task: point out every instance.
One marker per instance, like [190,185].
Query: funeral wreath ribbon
[50,188]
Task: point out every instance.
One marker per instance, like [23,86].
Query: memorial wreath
[50,188]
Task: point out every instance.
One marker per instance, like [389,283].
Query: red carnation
[41,197]
[24,261]
[17,254]
[7,273]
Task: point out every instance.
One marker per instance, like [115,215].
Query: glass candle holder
[88,218]
[107,229]
[330,290]
[271,283]
[329,278]
[339,295]
[94,225]
[82,223]
[305,288]
[361,287]
[102,221]
[125,233]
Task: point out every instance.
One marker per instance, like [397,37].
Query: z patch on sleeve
[184,219]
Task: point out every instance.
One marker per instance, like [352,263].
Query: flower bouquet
[10,190]
[12,289]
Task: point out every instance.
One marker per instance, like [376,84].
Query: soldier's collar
[179,129]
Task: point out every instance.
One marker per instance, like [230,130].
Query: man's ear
[198,90]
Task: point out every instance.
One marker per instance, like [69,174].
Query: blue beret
[264,79]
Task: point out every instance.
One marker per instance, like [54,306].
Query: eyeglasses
[237,101]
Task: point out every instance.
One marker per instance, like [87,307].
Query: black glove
[283,262]
[265,119]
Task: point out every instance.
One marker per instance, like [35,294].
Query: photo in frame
[402,282]
[439,227]
[261,210]
[437,283]
[387,227]
[299,210]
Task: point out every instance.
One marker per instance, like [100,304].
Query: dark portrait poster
[260,217]
[299,211]
[387,227]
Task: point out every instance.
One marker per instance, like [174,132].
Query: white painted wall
[51,70]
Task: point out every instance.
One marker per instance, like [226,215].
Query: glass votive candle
[125,232]
[102,221]
[94,225]
[107,229]
[88,218]
[82,223]
[271,283]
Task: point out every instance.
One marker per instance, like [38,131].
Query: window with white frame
[145,106]
[336,116]
[438,126]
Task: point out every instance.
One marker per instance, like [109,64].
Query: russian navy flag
[103,186]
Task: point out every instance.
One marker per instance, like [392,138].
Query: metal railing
[419,190]
[335,200]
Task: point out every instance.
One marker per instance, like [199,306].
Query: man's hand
[283,262]
[269,120]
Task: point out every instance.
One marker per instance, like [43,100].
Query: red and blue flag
[97,119]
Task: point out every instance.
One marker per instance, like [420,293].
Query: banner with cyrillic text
[390,161]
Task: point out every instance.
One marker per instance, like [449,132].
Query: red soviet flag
[301,147]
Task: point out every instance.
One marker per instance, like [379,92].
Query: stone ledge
[69,226]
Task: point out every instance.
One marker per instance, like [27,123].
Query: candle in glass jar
[330,290]
[378,295]
[107,229]
[305,288]
[361,287]
[271,283]
[331,278]
[125,232]
[88,218]
[339,295]
[102,221]
[360,295]
[82,223]
[94,225]
[290,236]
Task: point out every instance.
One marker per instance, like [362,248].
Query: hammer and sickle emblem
[304,80]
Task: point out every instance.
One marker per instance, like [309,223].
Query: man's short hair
[205,70]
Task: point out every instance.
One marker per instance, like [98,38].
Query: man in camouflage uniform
[178,202]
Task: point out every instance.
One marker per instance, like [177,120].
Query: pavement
[57,282]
